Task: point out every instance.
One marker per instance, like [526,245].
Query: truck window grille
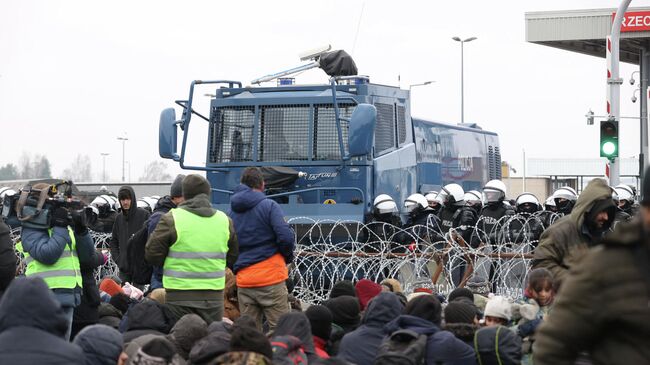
[401,124]
[385,129]
[284,133]
[326,142]
[231,134]
[497,163]
[491,172]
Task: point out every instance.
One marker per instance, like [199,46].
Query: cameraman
[55,254]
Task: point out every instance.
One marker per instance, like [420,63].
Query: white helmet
[414,202]
[624,193]
[6,191]
[451,194]
[473,196]
[615,195]
[431,196]
[527,198]
[565,192]
[104,200]
[550,201]
[385,204]
[147,203]
[494,191]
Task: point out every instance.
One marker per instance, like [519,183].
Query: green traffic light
[608,148]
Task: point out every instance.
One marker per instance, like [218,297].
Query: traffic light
[609,138]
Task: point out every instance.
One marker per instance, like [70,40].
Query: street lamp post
[123,139]
[420,84]
[104,154]
[462,80]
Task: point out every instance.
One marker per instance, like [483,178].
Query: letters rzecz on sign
[635,21]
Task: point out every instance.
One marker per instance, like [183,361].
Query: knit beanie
[343,287]
[426,307]
[110,339]
[110,287]
[194,185]
[250,339]
[157,350]
[460,312]
[366,290]
[176,189]
[499,307]
[460,292]
[320,319]
[345,310]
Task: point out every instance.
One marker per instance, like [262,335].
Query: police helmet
[527,203]
[494,191]
[565,192]
[624,193]
[451,194]
[6,191]
[431,196]
[415,202]
[473,197]
[550,202]
[384,204]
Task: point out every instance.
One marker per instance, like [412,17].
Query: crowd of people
[201,286]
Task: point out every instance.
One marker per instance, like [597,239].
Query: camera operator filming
[55,242]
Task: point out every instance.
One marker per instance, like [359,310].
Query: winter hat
[157,351]
[345,310]
[343,287]
[242,357]
[320,319]
[499,307]
[393,284]
[244,321]
[478,285]
[460,292]
[250,339]
[189,329]
[209,347]
[194,185]
[460,312]
[110,287]
[426,307]
[497,345]
[176,189]
[221,326]
[366,290]
[101,344]
[120,301]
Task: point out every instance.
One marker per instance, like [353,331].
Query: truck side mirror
[167,133]
[362,130]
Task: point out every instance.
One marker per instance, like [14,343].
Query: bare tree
[9,172]
[155,171]
[25,166]
[34,167]
[79,170]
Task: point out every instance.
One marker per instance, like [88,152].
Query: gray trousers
[268,301]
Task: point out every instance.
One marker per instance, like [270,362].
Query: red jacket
[319,346]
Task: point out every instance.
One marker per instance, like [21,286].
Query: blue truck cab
[330,148]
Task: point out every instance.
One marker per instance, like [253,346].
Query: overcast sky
[74,75]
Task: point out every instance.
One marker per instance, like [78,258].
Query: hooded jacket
[563,244]
[125,226]
[297,324]
[497,345]
[442,346]
[7,258]
[33,326]
[87,312]
[360,346]
[602,307]
[186,332]
[261,229]
[147,317]
[109,315]
[163,206]
[165,235]
[101,344]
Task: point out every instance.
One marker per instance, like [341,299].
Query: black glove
[61,217]
[79,222]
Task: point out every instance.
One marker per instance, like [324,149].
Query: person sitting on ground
[461,319]
[297,325]
[346,316]
[497,345]
[498,311]
[343,287]
[360,346]
[320,319]
[423,315]
[101,344]
[391,285]
[366,290]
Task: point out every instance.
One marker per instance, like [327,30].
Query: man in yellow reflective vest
[194,244]
[55,254]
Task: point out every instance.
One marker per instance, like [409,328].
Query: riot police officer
[451,199]
[625,198]
[527,226]
[434,205]
[494,194]
[565,198]
[422,222]
[384,221]
[621,215]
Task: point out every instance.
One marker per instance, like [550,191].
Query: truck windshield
[281,133]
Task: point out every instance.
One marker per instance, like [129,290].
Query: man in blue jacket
[56,254]
[266,244]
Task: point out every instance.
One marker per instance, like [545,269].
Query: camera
[33,208]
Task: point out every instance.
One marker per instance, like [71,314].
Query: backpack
[402,347]
[288,350]
[139,269]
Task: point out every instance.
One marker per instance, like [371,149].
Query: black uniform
[490,215]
